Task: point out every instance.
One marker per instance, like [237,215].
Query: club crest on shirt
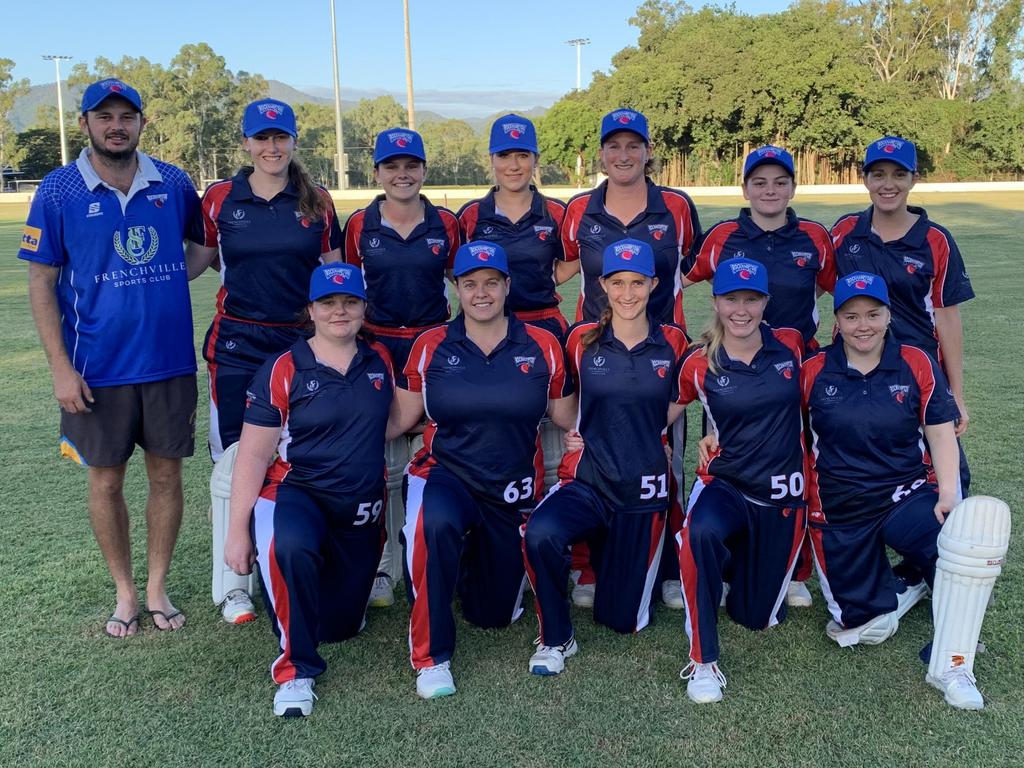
[599,360]
[657,231]
[801,258]
[542,232]
[854,248]
[524,364]
[377,380]
[139,244]
[303,220]
[912,265]
[725,385]
[831,390]
[238,214]
[230,344]
[597,366]
[595,229]
[312,385]
[488,229]
[785,369]
[249,398]
[661,367]
[454,360]
[158,200]
[899,392]
[435,245]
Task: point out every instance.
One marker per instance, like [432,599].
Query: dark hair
[312,202]
[591,336]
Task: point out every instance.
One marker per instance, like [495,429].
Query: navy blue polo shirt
[624,396]
[798,256]
[332,424]
[532,244]
[268,249]
[405,277]
[484,411]
[923,271]
[669,224]
[122,289]
[754,411]
[867,432]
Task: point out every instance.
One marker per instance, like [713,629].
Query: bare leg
[108,514]
[163,519]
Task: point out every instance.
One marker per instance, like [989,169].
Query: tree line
[822,78]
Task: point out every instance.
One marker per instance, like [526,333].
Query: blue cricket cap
[480,254]
[398,142]
[328,279]
[895,150]
[102,90]
[859,284]
[268,115]
[513,131]
[625,120]
[768,155]
[628,256]
[740,275]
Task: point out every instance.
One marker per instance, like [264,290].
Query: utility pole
[410,110]
[579,42]
[342,176]
[60,106]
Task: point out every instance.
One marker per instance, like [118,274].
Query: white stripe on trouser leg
[263,518]
[215,440]
[396,458]
[971,546]
[223,578]
[414,509]
[643,615]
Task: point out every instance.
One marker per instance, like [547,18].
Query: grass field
[202,696]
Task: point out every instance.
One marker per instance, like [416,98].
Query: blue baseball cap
[859,284]
[740,274]
[628,256]
[268,115]
[398,142]
[102,90]
[480,254]
[625,120]
[895,150]
[513,131]
[328,279]
[768,155]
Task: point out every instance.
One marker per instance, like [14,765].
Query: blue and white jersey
[123,284]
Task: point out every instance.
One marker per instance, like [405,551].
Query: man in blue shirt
[108,286]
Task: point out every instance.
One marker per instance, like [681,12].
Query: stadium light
[340,162]
[410,110]
[60,106]
[579,42]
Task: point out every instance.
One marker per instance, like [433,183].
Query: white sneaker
[434,682]
[797,595]
[960,688]
[383,593]
[583,595]
[672,594]
[295,698]
[704,682]
[237,607]
[550,659]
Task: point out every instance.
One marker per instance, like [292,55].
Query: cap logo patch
[744,270]
[624,116]
[514,130]
[626,251]
[889,145]
[338,275]
[482,252]
[400,138]
[860,281]
[115,86]
[270,110]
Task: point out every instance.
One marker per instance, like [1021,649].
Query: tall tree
[10,90]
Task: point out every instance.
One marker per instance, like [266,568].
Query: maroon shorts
[159,416]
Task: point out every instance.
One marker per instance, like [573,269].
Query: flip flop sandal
[166,617]
[126,624]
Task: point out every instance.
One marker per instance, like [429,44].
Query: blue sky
[473,57]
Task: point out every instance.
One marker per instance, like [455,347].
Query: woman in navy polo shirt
[485,381]
[614,490]
[313,519]
[883,469]
[746,514]
[799,258]
[266,229]
[405,246]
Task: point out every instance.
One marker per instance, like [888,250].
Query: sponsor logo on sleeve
[30,238]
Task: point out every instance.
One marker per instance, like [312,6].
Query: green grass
[202,696]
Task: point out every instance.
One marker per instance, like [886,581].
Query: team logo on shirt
[133,247]
[912,265]
[785,369]
[599,360]
[595,229]
[854,248]
[831,390]
[801,258]
[525,363]
[230,344]
[488,229]
[435,245]
[899,392]
[377,380]
[30,238]
[312,385]
[157,200]
[514,130]
[374,242]
[303,220]
[400,139]
[661,367]
[454,360]
[657,230]
[249,397]
[542,232]
[238,214]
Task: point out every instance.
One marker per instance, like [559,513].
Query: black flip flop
[166,617]
[126,624]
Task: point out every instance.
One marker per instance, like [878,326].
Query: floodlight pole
[60,107]
[340,148]
[579,42]
[410,110]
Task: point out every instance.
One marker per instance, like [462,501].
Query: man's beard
[120,156]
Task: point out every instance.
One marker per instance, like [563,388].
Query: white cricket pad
[553,445]
[397,453]
[224,579]
[972,544]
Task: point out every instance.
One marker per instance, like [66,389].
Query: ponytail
[311,202]
[711,339]
[595,333]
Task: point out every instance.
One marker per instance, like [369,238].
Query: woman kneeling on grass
[312,519]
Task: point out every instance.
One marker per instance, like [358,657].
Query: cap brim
[606,134]
[769,161]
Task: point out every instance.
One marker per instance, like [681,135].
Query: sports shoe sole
[244,618]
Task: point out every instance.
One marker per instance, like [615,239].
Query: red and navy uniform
[405,276]
[318,521]
[614,492]
[923,271]
[669,223]
[746,515]
[798,256]
[532,244]
[476,479]
[870,479]
[267,251]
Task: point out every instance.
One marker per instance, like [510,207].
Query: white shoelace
[301,685]
[696,671]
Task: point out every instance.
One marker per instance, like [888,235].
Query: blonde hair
[711,340]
